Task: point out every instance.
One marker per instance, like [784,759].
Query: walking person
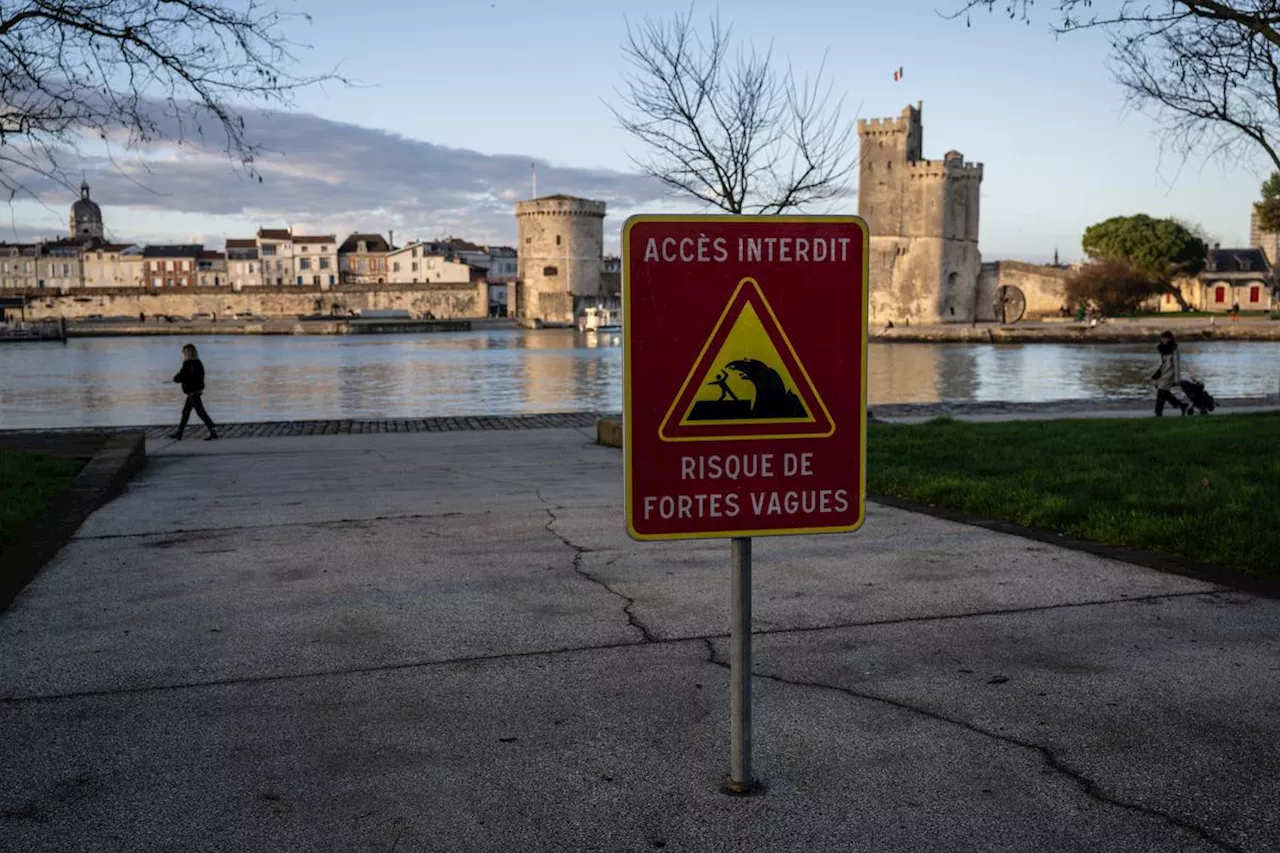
[1168,375]
[191,377]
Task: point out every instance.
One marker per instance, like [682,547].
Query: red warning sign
[744,361]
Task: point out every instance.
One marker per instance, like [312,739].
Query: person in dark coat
[191,377]
[1168,375]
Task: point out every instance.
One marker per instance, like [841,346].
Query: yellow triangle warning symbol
[747,382]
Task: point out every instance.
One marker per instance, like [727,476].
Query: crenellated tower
[923,216]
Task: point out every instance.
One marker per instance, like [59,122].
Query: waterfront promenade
[443,640]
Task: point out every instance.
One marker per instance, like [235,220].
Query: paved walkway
[445,642]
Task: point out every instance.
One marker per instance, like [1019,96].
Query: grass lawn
[28,484]
[1207,488]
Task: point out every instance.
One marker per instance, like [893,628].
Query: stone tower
[560,241]
[923,216]
[86,217]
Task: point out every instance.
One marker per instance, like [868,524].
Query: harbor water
[127,381]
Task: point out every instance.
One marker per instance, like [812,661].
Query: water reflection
[118,381]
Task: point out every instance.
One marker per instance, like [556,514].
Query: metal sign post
[740,780]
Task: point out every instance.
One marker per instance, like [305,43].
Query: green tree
[1269,207]
[1162,249]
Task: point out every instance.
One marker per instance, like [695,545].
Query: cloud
[332,177]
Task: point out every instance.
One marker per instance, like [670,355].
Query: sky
[451,103]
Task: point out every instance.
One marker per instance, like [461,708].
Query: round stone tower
[560,240]
[86,217]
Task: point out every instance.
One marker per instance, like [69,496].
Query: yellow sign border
[628,463]
[777,324]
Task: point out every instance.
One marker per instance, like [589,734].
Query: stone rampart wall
[1043,287]
[454,301]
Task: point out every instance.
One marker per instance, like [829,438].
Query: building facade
[211,269]
[560,240]
[275,256]
[414,264]
[362,259]
[923,216]
[242,263]
[1236,278]
[105,265]
[316,260]
[170,266]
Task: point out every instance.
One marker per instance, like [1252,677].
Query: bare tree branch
[734,133]
[136,72]
[1209,70]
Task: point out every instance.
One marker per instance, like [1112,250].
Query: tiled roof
[327,238]
[274,233]
[211,255]
[237,243]
[175,251]
[1236,261]
[374,243]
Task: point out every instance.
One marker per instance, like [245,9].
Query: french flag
[897,75]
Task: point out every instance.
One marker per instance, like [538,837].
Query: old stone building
[86,217]
[923,216]
[560,240]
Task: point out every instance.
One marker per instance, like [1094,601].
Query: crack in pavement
[1089,787]
[562,650]
[578,552]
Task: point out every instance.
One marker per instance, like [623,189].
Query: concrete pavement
[445,641]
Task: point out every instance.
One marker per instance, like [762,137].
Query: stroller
[1198,397]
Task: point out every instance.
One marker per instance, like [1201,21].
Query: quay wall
[444,301]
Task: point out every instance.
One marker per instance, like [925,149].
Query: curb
[115,458]
[609,434]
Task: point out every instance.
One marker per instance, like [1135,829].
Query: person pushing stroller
[1168,375]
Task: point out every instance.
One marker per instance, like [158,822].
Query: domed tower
[86,217]
[560,245]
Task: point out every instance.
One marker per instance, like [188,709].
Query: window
[155,281]
[415,253]
[168,282]
[330,280]
[304,248]
[549,271]
[315,279]
[66,270]
[1220,294]
[250,267]
[361,266]
[204,281]
[299,279]
[324,263]
[267,249]
[557,239]
[415,266]
[395,267]
[1255,293]
[304,264]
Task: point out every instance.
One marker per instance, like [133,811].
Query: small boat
[597,319]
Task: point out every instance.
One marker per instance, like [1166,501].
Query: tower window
[557,239]
[549,271]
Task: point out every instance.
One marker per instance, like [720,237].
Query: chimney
[391,239]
